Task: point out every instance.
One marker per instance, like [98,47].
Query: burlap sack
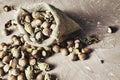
[64,25]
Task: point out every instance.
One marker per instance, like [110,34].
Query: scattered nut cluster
[73,49]
[38,24]
[21,61]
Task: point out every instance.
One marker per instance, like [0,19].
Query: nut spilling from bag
[38,24]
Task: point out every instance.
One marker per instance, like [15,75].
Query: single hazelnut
[47,32]
[64,51]
[72,57]
[56,48]
[82,56]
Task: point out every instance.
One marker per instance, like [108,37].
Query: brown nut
[32,61]
[47,32]
[3,46]
[39,77]
[82,56]
[85,50]
[72,57]
[56,48]
[6,60]
[64,51]
[13,63]
[21,76]
[1,72]
[3,54]
[11,77]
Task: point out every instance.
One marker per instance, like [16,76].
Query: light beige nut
[16,52]
[35,53]
[76,51]
[47,77]
[28,18]
[14,63]
[32,61]
[11,77]
[1,64]
[77,45]
[82,56]
[29,73]
[1,72]
[45,25]
[70,49]
[64,51]
[6,60]
[39,77]
[3,54]
[47,48]
[28,28]
[45,54]
[53,26]
[77,41]
[22,62]
[85,50]
[6,68]
[36,22]
[47,32]
[72,57]
[43,66]
[21,76]
[56,48]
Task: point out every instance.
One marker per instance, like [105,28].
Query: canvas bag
[64,25]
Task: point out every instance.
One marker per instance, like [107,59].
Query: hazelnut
[45,25]
[28,28]
[44,53]
[23,62]
[53,26]
[6,8]
[72,57]
[15,71]
[76,51]
[6,68]
[6,60]
[77,41]
[1,72]
[16,52]
[64,51]
[11,77]
[3,46]
[39,77]
[70,49]
[21,76]
[36,23]
[47,32]
[37,15]
[85,50]
[109,30]
[32,61]
[3,54]
[56,48]
[28,18]
[82,56]
[13,63]
[38,36]
[43,66]
[70,43]
[1,64]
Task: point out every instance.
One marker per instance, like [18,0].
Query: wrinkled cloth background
[94,16]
